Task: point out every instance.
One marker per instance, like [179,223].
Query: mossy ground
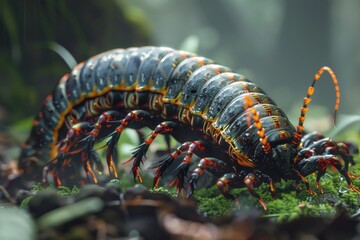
[289,203]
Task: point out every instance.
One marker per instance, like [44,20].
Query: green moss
[66,192]
[214,207]
[124,182]
[289,202]
[39,187]
[351,201]
[166,191]
[62,191]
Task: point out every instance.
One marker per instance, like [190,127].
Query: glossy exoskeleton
[242,137]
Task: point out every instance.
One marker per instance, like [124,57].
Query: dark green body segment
[239,124]
[165,68]
[227,94]
[50,114]
[87,76]
[248,139]
[128,79]
[117,67]
[197,80]
[181,74]
[60,100]
[102,72]
[148,67]
[132,67]
[208,92]
[236,106]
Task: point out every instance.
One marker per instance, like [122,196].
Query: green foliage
[190,44]
[66,192]
[171,192]
[290,208]
[344,125]
[215,206]
[61,191]
[351,200]
[289,203]
[124,182]
[38,187]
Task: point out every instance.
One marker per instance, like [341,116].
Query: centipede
[236,130]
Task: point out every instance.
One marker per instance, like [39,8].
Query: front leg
[324,146]
[319,164]
[245,178]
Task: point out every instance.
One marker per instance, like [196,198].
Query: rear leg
[183,168]
[106,119]
[65,149]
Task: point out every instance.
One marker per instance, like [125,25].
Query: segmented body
[207,101]
[171,84]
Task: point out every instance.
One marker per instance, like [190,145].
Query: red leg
[137,115]
[320,163]
[223,185]
[64,150]
[212,165]
[184,166]
[163,164]
[140,152]
[247,179]
[330,160]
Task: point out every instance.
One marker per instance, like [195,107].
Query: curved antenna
[300,127]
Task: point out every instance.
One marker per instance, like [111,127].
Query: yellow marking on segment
[218,136]
[158,101]
[267,109]
[241,159]
[276,122]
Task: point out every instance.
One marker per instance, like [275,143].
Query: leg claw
[318,186]
[353,188]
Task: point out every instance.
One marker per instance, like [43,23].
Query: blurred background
[278,44]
